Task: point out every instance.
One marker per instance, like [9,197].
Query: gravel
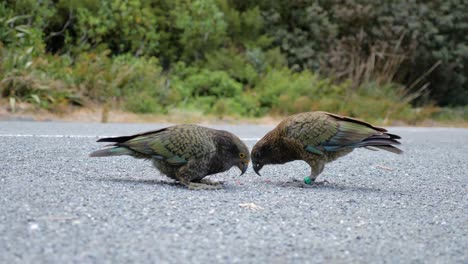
[58,205]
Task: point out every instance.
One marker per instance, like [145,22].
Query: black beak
[257,167]
[243,167]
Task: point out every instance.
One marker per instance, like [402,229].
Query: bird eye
[241,155]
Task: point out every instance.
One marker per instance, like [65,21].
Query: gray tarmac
[60,206]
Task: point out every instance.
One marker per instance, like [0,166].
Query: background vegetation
[375,59]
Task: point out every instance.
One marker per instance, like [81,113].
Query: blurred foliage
[331,36]
[378,60]
[201,25]
[120,25]
[26,80]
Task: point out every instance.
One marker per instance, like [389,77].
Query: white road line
[47,136]
[81,136]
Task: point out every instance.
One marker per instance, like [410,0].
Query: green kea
[186,153]
[318,138]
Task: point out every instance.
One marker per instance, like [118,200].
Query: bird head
[260,156]
[231,146]
[244,159]
[243,155]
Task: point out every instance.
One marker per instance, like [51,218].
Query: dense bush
[245,58]
[120,25]
[211,91]
[350,38]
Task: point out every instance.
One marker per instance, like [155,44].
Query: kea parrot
[318,138]
[186,153]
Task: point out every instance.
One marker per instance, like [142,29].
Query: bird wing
[175,145]
[319,131]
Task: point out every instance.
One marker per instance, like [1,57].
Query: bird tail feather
[111,152]
[390,148]
[383,142]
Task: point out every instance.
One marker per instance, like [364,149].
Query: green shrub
[137,82]
[23,23]
[235,64]
[245,27]
[120,25]
[454,114]
[201,25]
[241,58]
[145,88]
[347,38]
[203,88]
[213,83]
[213,92]
[240,106]
[246,68]
[24,79]
[279,90]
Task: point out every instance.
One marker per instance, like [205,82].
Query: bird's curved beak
[257,167]
[243,167]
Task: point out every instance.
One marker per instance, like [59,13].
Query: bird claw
[203,186]
[302,184]
[210,182]
[319,183]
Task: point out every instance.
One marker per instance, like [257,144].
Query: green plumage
[116,151]
[186,153]
[319,138]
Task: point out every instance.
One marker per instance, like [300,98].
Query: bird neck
[220,162]
[226,151]
[283,151]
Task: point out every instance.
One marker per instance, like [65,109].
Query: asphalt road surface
[60,206]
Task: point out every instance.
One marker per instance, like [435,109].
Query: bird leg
[192,171]
[309,181]
[316,167]
[199,185]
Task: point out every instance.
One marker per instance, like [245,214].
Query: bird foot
[210,182]
[203,186]
[310,181]
[307,183]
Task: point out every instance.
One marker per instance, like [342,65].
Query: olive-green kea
[318,138]
[185,153]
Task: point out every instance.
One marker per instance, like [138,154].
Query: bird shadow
[139,181]
[325,186]
[152,182]
[282,184]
